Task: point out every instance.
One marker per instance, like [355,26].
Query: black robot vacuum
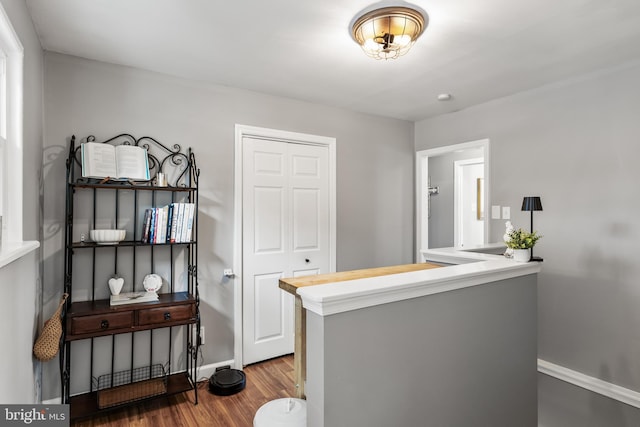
[227,381]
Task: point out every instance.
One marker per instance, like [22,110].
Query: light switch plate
[495,212]
[506,212]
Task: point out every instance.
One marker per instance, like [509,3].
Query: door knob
[307,260]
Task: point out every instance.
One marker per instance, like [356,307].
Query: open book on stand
[133,298]
[119,162]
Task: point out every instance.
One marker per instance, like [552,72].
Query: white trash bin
[286,412]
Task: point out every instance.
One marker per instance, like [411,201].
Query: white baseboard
[576,378]
[596,385]
[205,371]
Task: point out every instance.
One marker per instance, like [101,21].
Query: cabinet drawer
[155,316]
[101,322]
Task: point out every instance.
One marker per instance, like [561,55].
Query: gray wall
[563,404]
[442,173]
[374,168]
[20,304]
[575,144]
[464,358]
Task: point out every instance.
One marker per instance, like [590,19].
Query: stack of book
[133,297]
[168,224]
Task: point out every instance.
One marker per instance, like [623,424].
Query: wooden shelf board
[83,308]
[126,243]
[125,185]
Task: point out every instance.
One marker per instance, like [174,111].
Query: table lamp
[532,203]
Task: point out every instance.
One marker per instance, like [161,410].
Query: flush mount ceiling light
[389,32]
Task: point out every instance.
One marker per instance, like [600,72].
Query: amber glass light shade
[389,32]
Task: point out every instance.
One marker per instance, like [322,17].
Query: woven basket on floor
[48,343]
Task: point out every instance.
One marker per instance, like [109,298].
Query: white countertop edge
[333,298]
[11,251]
[455,256]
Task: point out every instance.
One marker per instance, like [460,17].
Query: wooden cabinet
[134,351]
[94,319]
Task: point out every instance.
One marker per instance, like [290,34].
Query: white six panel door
[285,234]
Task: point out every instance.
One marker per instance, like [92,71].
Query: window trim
[12,246]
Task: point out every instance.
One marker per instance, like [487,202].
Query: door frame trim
[242,131]
[421,198]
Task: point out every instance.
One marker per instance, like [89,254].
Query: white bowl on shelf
[107,236]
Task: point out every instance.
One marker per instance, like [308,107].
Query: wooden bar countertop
[291,284]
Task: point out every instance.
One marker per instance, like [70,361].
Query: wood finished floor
[266,381]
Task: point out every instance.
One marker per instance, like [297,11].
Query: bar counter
[406,344]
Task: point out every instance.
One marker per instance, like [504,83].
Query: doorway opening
[469,218]
[440,209]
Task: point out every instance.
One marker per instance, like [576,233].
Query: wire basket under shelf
[131,385]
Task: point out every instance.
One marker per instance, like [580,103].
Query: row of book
[172,223]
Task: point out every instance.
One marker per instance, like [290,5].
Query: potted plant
[521,242]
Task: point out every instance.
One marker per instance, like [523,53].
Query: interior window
[11,81]
[3,130]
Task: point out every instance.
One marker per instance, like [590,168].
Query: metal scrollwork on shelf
[177,165]
[192,269]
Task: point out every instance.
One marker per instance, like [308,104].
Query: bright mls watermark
[34,415]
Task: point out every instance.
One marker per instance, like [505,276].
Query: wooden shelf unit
[88,315]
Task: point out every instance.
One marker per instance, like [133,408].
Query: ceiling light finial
[389,32]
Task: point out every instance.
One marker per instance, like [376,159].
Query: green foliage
[521,239]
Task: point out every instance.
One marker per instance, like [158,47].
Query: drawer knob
[104,324]
[167,316]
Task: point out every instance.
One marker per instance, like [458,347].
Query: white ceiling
[477,50]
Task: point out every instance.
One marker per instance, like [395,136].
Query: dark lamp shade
[531,204]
